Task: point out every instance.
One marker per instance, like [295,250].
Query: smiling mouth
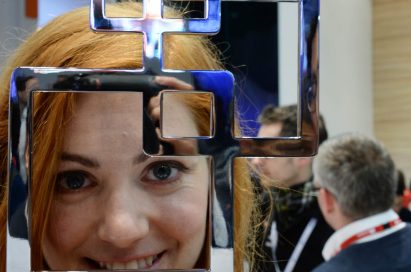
[142,263]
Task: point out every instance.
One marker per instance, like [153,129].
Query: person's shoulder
[323,267]
[407,227]
[398,239]
[405,233]
[383,253]
[402,235]
[359,258]
[375,255]
[335,264]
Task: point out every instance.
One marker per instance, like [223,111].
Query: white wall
[288,53]
[345,63]
[14,27]
[346,99]
[48,9]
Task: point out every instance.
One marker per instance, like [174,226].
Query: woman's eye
[164,172]
[72,181]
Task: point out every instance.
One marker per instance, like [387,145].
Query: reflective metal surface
[219,143]
[169,115]
[305,142]
[52,80]
[153,25]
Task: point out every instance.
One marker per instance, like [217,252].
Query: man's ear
[328,200]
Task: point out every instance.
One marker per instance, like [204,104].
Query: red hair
[68,42]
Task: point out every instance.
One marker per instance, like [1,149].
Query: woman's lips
[140,263]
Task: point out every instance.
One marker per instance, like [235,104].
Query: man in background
[357,179]
[400,204]
[297,231]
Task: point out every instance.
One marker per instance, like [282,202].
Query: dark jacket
[391,253]
[293,210]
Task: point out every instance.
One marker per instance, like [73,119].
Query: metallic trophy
[220,145]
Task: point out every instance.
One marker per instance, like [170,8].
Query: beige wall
[346,88]
[392,78]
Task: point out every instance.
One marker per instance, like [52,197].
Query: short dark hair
[287,115]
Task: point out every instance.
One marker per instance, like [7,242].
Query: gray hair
[359,172]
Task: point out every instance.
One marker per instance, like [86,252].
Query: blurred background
[365,60]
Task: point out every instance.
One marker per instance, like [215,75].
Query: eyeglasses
[315,189]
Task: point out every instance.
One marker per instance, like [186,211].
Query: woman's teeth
[136,264]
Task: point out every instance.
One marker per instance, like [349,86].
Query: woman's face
[114,206]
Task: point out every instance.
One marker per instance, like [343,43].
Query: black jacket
[293,210]
[391,253]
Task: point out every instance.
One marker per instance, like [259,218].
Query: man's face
[282,171]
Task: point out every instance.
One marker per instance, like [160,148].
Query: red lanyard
[369,232]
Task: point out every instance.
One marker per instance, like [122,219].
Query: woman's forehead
[114,120]
[110,102]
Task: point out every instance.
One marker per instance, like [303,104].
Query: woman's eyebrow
[89,162]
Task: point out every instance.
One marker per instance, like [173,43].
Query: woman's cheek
[68,227]
[187,209]
[185,221]
[186,214]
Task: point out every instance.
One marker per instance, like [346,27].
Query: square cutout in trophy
[172,114]
[102,195]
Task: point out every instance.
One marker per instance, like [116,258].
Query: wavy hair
[68,42]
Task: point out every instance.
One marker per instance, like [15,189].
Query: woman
[114,206]
[68,42]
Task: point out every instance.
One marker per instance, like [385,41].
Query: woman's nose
[123,222]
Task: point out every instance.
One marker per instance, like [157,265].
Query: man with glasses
[357,181]
[296,231]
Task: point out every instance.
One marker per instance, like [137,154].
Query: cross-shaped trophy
[137,139]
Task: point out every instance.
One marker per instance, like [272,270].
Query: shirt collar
[332,246]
